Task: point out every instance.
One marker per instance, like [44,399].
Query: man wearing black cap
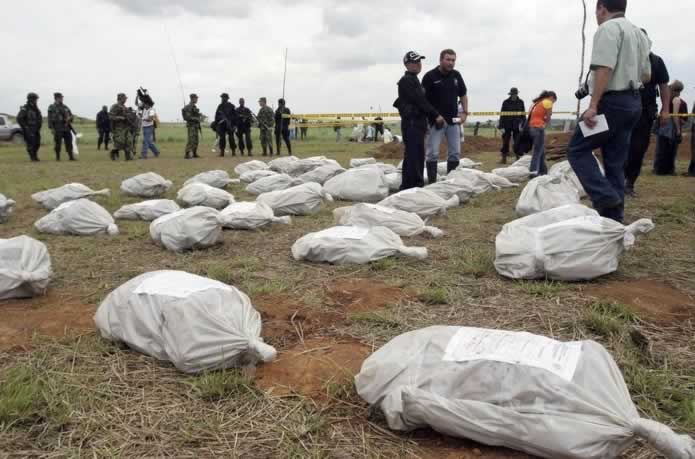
[30,120]
[282,126]
[511,124]
[191,115]
[59,122]
[122,136]
[103,128]
[415,111]
[226,122]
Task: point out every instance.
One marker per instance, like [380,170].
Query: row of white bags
[6,207]
[516,390]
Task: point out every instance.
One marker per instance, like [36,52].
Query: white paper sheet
[601,126]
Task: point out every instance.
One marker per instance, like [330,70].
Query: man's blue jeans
[607,193]
[452,132]
[148,141]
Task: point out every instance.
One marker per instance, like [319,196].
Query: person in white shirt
[149,117]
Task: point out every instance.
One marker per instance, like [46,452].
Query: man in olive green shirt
[620,64]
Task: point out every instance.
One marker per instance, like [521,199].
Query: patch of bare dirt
[652,300]
[311,367]
[443,447]
[53,315]
[363,295]
[286,322]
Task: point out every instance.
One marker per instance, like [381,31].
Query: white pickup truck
[10,131]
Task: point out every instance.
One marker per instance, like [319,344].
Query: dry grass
[82,396]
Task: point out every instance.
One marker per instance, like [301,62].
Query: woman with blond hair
[670,135]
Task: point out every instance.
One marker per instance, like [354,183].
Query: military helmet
[56,95]
[32,96]
[193,96]
[121,96]
[224,95]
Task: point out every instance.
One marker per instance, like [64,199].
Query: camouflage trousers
[122,139]
[266,138]
[193,139]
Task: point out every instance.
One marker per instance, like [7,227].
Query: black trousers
[413,131]
[506,140]
[58,138]
[243,135]
[639,144]
[224,132]
[32,140]
[104,138]
[284,134]
[691,167]
[665,159]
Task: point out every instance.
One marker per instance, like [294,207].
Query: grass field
[65,392]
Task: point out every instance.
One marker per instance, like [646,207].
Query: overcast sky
[344,56]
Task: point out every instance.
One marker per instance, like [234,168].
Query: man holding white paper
[620,64]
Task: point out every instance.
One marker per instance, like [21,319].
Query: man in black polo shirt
[639,142]
[444,87]
[415,111]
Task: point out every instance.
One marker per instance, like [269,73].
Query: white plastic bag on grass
[420,201]
[197,324]
[362,184]
[306,199]
[400,222]
[252,176]
[249,216]
[54,197]
[564,170]
[353,245]
[321,174]
[394,181]
[524,161]
[512,389]
[188,229]
[147,185]
[200,194]
[80,218]
[302,166]
[578,249]
[272,183]
[467,163]
[481,182]
[514,174]
[216,179]
[446,189]
[282,165]
[383,167]
[357,162]
[6,208]
[147,210]
[75,148]
[248,166]
[25,268]
[544,193]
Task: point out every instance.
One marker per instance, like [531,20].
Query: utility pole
[284,75]
[581,73]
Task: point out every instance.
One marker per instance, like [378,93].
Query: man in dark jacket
[282,126]
[103,128]
[511,124]
[30,120]
[225,123]
[243,133]
[415,111]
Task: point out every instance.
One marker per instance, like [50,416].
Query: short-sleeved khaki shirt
[624,48]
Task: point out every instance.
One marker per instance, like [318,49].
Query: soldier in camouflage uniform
[266,121]
[121,129]
[30,120]
[59,122]
[243,132]
[191,115]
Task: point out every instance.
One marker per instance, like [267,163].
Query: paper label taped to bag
[177,284]
[517,348]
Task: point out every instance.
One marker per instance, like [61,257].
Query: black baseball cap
[412,56]
[224,95]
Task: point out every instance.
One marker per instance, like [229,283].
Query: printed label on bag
[518,348]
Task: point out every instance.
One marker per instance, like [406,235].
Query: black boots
[432,171]
[195,153]
[114,155]
[452,166]
[188,156]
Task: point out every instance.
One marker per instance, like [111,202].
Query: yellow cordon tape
[371,116]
